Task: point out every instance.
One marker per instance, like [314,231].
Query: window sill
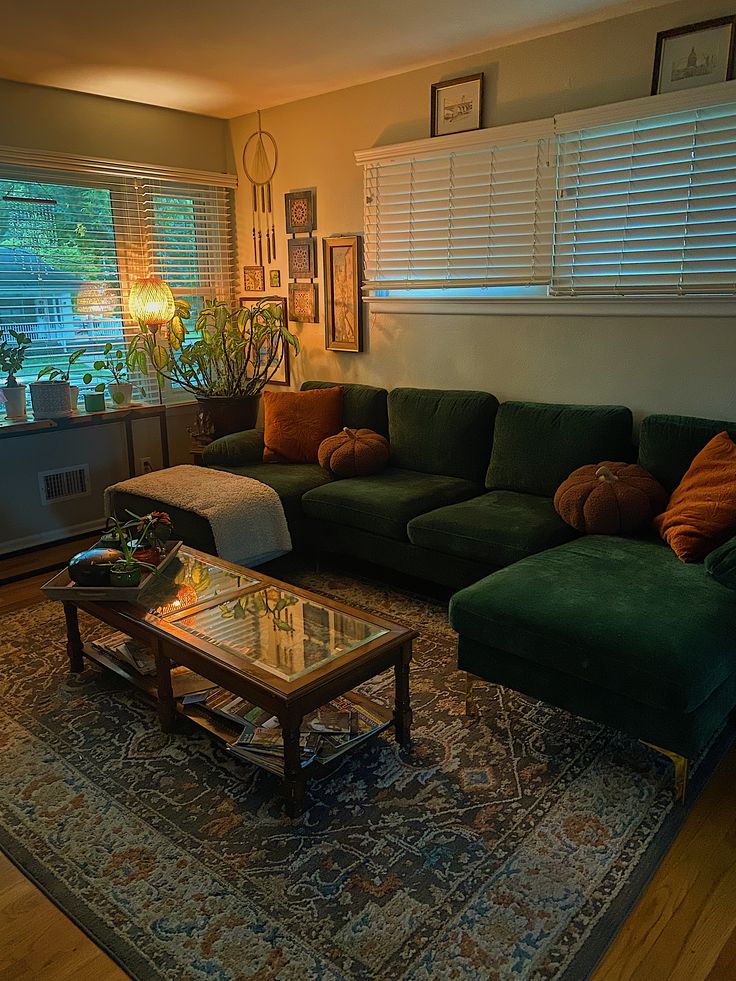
[557,306]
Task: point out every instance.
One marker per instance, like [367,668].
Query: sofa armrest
[235,450]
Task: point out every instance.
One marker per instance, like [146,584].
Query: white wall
[675,364]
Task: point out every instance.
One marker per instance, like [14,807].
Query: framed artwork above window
[694,55]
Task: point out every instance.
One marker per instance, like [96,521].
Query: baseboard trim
[17,546]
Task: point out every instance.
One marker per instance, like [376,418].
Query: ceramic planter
[125,575]
[120,393]
[225,415]
[50,399]
[15,401]
[94,401]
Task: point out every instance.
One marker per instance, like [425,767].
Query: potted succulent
[113,361]
[51,394]
[225,362]
[12,355]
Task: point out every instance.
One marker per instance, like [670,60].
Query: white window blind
[75,233]
[462,212]
[648,204]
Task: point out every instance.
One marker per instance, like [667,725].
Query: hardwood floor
[683,928]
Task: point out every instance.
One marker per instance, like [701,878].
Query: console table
[122,415]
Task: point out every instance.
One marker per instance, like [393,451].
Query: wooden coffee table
[284,649]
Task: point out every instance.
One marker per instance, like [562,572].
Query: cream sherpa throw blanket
[246,516]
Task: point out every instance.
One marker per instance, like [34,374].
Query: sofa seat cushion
[496,528]
[384,503]
[623,614]
[289,480]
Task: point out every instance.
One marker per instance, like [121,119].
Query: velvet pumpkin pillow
[701,513]
[296,423]
[354,453]
[609,498]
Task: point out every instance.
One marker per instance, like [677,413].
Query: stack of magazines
[325,734]
[133,655]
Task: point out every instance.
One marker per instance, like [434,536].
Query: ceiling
[228,57]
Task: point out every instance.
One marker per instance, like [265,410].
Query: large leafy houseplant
[225,360]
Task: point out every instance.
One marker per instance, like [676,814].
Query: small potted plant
[128,571]
[12,355]
[51,392]
[114,363]
[151,532]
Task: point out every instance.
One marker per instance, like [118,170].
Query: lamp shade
[151,302]
[95,301]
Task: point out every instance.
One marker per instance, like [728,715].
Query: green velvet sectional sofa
[615,629]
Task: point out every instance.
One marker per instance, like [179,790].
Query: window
[476,215]
[74,234]
[648,205]
[636,198]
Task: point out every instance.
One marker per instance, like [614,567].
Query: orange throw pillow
[701,513]
[295,423]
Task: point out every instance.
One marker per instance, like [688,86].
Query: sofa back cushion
[441,432]
[669,444]
[537,445]
[364,407]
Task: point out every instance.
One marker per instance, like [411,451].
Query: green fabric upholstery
[495,529]
[289,480]
[669,444]
[364,407]
[236,450]
[441,432]
[537,445]
[389,553]
[721,564]
[385,502]
[621,614]
[684,733]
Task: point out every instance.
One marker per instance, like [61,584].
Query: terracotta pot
[148,554]
[229,415]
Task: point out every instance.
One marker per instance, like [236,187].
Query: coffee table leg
[73,639]
[402,701]
[293,773]
[166,701]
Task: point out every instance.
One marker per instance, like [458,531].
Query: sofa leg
[471,705]
[681,765]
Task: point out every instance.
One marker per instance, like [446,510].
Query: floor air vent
[64,484]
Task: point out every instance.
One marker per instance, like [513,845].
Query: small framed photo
[457,105]
[301,212]
[254,279]
[303,303]
[698,54]
[343,264]
[302,258]
[274,279]
[282,374]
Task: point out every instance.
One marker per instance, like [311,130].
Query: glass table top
[285,634]
[188,581]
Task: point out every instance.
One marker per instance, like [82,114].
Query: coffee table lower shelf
[227,732]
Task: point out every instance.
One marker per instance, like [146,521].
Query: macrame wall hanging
[260,157]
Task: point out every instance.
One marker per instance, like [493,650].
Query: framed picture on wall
[302,258]
[301,211]
[254,279]
[457,105]
[698,54]
[343,263]
[303,303]
[282,374]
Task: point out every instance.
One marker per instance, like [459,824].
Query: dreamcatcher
[260,156]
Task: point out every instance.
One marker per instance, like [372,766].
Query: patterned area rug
[506,847]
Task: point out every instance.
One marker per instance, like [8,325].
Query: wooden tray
[62,588]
